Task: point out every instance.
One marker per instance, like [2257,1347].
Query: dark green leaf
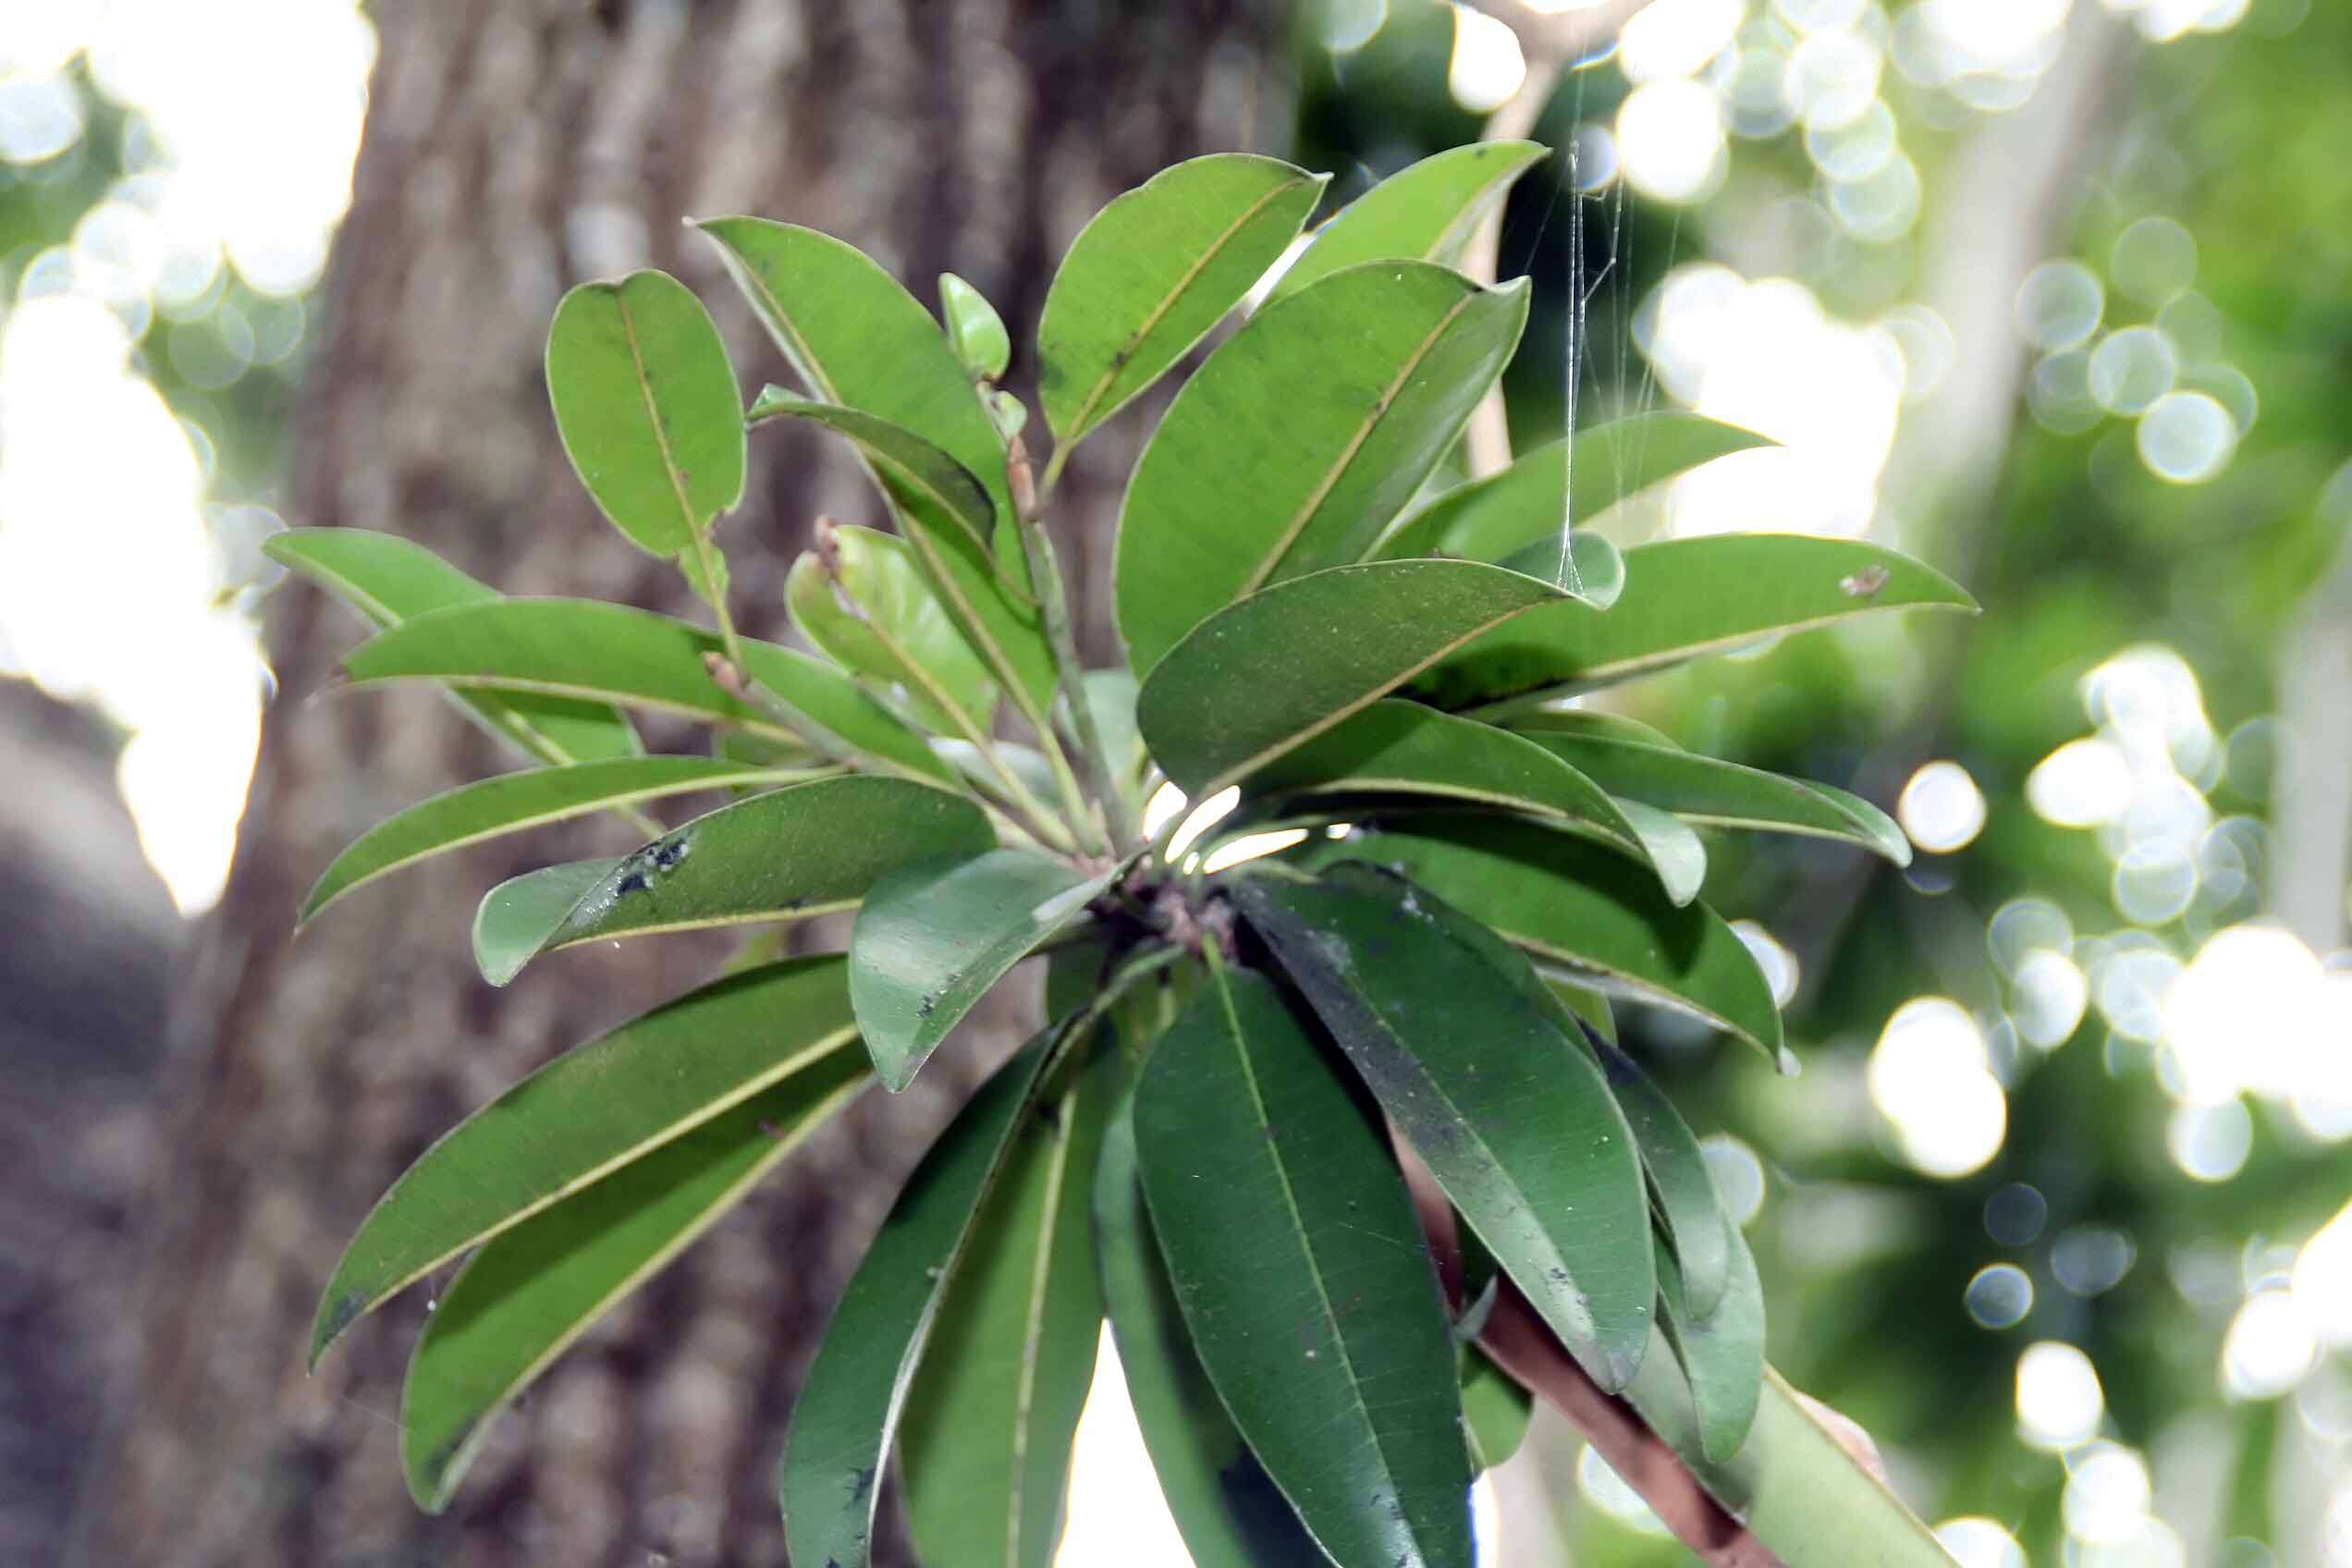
[975,329]
[849,1409]
[584,648]
[1492,518]
[1722,794]
[989,1418]
[1721,1353]
[861,598]
[1289,662]
[1494,1409]
[646,405]
[1302,1277]
[1153,272]
[586,1114]
[1401,747]
[524,1298]
[515,801]
[1514,1120]
[1425,213]
[806,849]
[1227,1508]
[1301,437]
[1579,906]
[1685,598]
[390,579]
[1703,1235]
[855,337]
[937,935]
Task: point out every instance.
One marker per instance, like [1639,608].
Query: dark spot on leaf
[860,1483]
[633,883]
[926,1006]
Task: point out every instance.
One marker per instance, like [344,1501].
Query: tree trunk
[512,149]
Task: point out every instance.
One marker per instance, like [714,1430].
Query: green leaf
[1394,746]
[790,853]
[1721,1353]
[1514,1120]
[527,1296]
[856,337]
[1425,213]
[975,328]
[1593,571]
[1685,598]
[1304,1278]
[937,935]
[1722,794]
[1489,519]
[861,598]
[1111,694]
[588,1113]
[849,1409]
[1702,1235]
[491,807]
[1584,1004]
[941,507]
[388,580]
[708,582]
[1284,665]
[585,648]
[1152,272]
[1494,1409]
[989,1418]
[1581,907]
[646,405]
[1300,438]
[1226,1507]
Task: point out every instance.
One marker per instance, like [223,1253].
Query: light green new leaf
[975,328]
[1289,662]
[1425,213]
[849,1409]
[1395,746]
[1702,1233]
[1514,1120]
[646,405]
[1721,1352]
[510,803]
[586,1114]
[1494,1409]
[937,935]
[1111,694]
[1228,1509]
[1581,907]
[942,509]
[1302,1277]
[388,580]
[1489,519]
[1685,598]
[1593,571]
[1713,793]
[985,1441]
[856,337]
[1299,439]
[862,597]
[790,853]
[584,648]
[524,1298]
[1152,272]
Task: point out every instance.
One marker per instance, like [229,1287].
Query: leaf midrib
[653,417]
[1033,1326]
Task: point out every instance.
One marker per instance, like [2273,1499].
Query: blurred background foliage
[2057,296]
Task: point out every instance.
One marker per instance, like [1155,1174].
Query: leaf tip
[337,1311]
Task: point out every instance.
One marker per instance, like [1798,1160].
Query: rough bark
[511,149]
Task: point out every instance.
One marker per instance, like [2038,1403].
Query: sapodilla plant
[1252,1067]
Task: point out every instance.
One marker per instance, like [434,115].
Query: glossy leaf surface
[1286,664]
[975,328]
[646,405]
[849,1409]
[937,935]
[388,580]
[1302,1277]
[1298,440]
[524,1298]
[862,597]
[1580,906]
[513,802]
[985,1443]
[1425,213]
[1702,1232]
[587,1113]
[1685,598]
[1152,272]
[1514,1120]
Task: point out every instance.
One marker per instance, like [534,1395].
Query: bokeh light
[2060,1402]
[1930,1077]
